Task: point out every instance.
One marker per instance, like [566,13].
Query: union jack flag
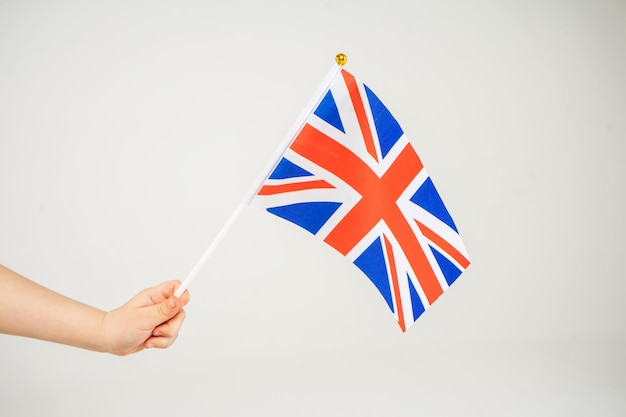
[352,178]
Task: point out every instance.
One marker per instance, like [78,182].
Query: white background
[130,130]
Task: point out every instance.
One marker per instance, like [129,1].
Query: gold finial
[341,59]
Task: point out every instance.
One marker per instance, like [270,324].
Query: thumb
[161,312]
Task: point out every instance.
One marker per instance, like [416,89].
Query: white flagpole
[340,59]
[207,253]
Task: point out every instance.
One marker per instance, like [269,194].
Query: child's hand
[150,319]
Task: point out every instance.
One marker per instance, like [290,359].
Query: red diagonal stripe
[414,253]
[359,109]
[298,186]
[444,245]
[335,158]
[394,281]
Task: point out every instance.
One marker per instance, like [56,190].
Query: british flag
[352,178]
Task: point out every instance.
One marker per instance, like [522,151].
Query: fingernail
[171,302]
[149,345]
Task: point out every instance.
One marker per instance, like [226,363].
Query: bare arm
[150,319]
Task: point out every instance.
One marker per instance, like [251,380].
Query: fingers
[165,310]
[156,294]
[171,316]
[160,314]
[162,304]
[164,335]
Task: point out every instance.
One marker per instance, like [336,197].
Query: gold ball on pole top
[341,59]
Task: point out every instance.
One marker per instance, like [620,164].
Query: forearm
[31,310]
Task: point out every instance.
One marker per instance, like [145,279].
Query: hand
[151,319]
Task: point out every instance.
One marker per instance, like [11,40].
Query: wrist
[99,337]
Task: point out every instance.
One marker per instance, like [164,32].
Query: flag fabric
[351,178]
